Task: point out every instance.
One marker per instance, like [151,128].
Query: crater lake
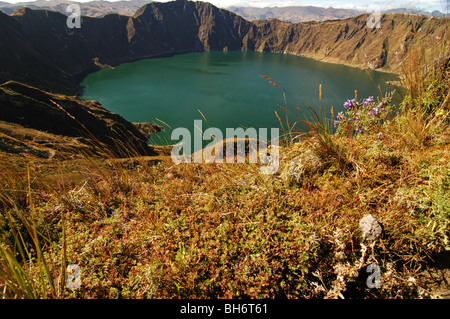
[228,90]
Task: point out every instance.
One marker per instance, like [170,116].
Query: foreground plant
[365,116]
[25,270]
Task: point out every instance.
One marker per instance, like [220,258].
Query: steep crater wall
[37,47]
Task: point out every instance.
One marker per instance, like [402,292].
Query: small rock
[308,163]
[370,227]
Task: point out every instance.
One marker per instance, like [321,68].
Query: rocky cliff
[38,48]
[65,121]
[351,41]
[22,60]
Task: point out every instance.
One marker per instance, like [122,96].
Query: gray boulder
[371,227]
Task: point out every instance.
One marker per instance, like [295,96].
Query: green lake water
[227,88]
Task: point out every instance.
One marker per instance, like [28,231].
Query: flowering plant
[363,116]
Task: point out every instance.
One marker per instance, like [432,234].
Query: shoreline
[337,61]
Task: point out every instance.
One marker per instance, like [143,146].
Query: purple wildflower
[357,120]
[368,101]
[381,106]
[380,136]
[340,116]
[349,104]
[336,123]
[374,111]
[359,130]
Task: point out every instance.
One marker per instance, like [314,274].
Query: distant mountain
[294,13]
[438,14]
[435,13]
[89,9]
[129,8]
[311,13]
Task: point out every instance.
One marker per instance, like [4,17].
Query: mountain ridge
[56,58]
[313,13]
[298,13]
